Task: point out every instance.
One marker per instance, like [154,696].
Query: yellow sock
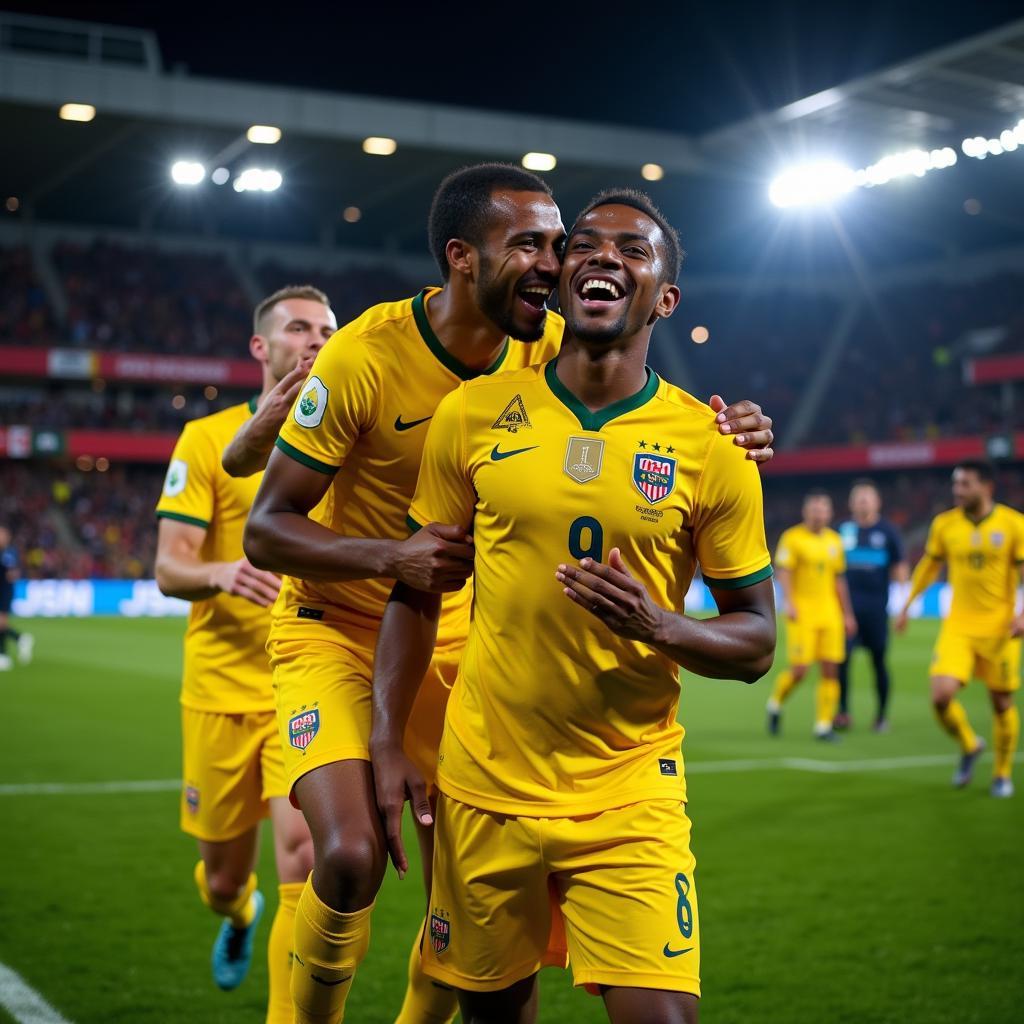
[240,911]
[784,683]
[826,704]
[279,954]
[1006,731]
[954,720]
[328,948]
[426,1001]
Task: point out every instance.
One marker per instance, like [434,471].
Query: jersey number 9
[586,527]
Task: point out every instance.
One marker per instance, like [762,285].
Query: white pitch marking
[23,1002]
[90,788]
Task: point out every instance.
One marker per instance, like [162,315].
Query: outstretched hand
[395,777]
[749,427]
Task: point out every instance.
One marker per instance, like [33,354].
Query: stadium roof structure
[113,172]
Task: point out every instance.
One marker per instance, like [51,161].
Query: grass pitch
[871,894]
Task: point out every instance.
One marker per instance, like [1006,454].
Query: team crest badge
[192,799]
[312,403]
[177,477]
[583,458]
[654,476]
[996,538]
[440,931]
[514,417]
[303,727]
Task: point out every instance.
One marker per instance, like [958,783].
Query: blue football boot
[232,951]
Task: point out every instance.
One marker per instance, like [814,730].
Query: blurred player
[982,545]
[562,793]
[874,556]
[810,567]
[24,643]
[356,434]
[233,769]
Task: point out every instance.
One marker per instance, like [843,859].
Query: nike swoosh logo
[497,456]
[329,984]
[675,952]
[399,425]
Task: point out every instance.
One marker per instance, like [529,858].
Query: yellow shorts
[808,642]
[993,660]
[232,766]
[614,890]
[324,701]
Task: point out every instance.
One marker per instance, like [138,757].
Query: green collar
[443,356]
[977,522]
[596,420]
[253,402]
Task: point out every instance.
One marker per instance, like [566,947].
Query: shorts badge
[440,931]
[654,476]
[192,799]
[303,727]
[668,766]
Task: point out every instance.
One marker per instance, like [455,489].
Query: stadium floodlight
[540,161]
[187,172]
[811,184]
[77,112]
[220,176]
[352,214]
[652,172]
[256,179]
[1009,139]
[377,145]
[917,162]
[699,334]
[263,134]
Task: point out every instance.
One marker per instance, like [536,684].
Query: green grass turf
[869,896]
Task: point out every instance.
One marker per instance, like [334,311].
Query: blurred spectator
[25,315]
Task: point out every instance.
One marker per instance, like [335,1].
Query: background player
[24,642]
[810,565]
[233,772]
[982,545]
[559,773]
[357,431]
[874,556]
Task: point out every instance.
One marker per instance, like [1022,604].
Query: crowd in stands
[25,314]
[72,524]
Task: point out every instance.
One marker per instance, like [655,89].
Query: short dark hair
[817,492]
[462,203]
[864,481]
[289,291]
[986,474]
[642,201]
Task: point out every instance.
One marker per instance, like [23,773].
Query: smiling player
[562,796]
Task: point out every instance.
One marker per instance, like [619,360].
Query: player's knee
[224,885]
[295,858]
[354,862]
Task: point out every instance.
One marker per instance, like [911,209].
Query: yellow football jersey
[362,417]
[226,666]
[814,561]
[552,713]
[982,560]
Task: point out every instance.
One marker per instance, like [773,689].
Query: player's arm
[182,572]
[249,450]
[785,581]
[405,644]
[748,426]
[281,537]
[926,572]
[899,571]
[843,593]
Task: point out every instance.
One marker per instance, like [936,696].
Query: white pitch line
[750,764]
[23,1002]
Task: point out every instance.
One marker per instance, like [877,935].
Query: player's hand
[790,612]
[900,622]
[273,410]
[614,596]
[750,428]
[395,777]
[1017,626]
[437,558]
[243,579]
[851,626]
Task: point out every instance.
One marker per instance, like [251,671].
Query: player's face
[817,512]
[969,490]
[5,537]
[519,262]
[296,329]
[612,283]
[865,503]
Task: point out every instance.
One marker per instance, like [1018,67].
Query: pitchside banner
[142,599]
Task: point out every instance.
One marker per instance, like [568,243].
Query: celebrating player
[810,565]
[874,556]
[562,793]
[982,545]
[233,771]
[356,434]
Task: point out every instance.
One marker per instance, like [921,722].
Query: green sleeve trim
[307,460]
[741,581]
[191,520]
[412,524]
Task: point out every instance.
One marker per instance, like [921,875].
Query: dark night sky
[697,66]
